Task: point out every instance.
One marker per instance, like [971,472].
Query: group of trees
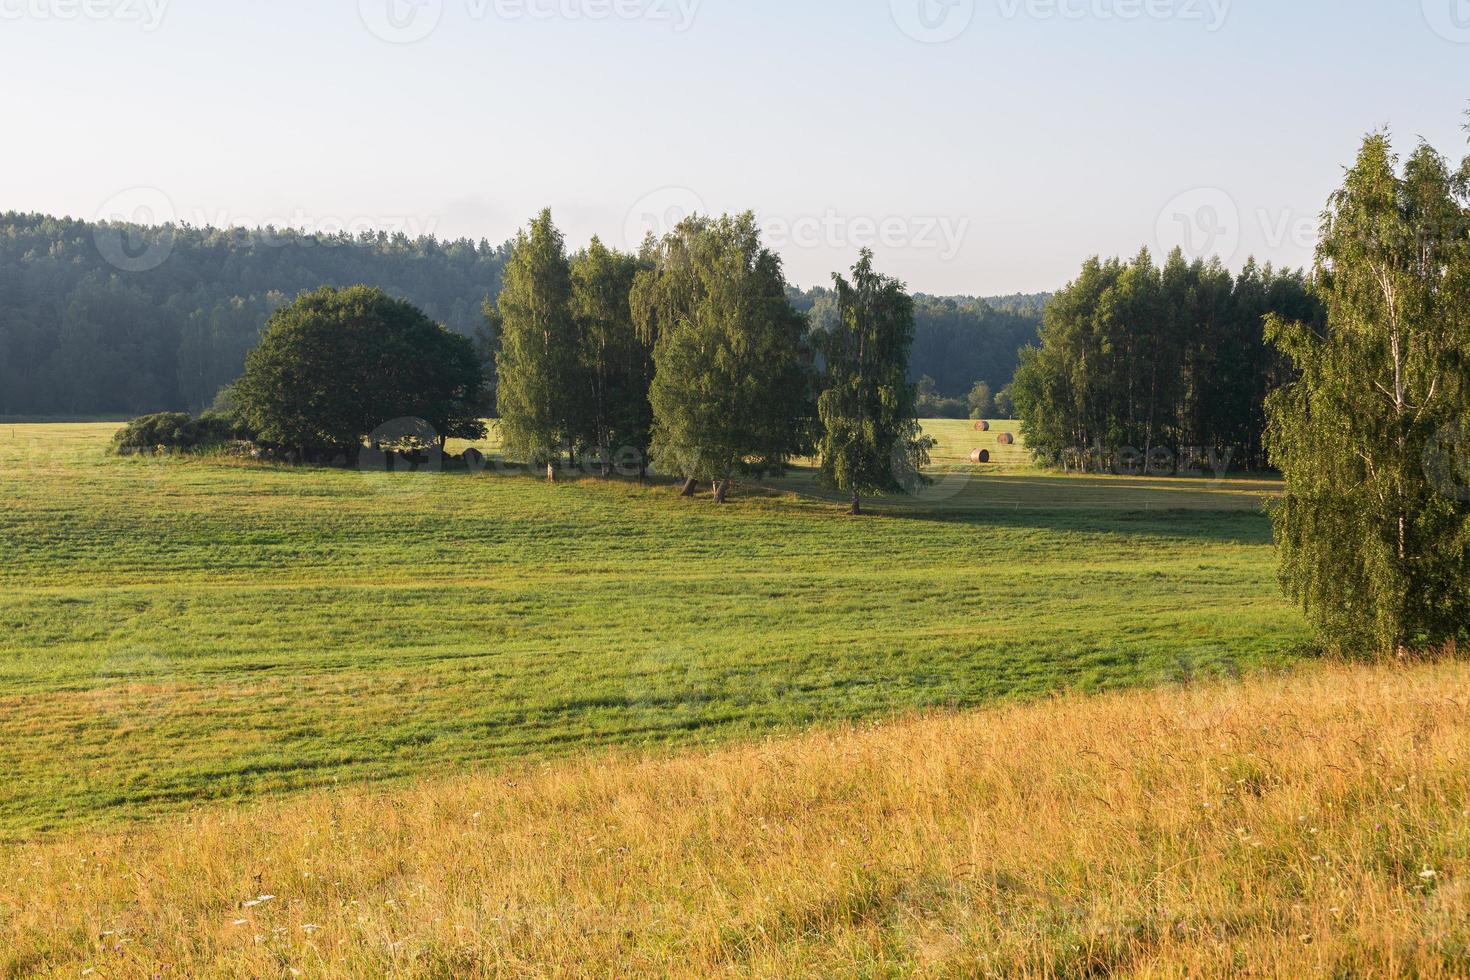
[82,336]
[1133,357]
[692,356]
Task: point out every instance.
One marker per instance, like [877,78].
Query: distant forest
[106,319]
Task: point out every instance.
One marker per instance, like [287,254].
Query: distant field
[176,631]
[1306,826]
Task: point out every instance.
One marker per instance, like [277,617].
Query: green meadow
[174,631]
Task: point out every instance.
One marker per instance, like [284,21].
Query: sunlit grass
[1308,825]
[177,631]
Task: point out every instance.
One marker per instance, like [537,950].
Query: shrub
[176,431]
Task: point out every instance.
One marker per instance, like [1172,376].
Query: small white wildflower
[1428,874]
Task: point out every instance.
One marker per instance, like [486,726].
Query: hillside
[188,630]
[1305,825]
[119,320]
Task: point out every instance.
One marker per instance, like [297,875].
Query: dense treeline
[1136,360]
[82,335]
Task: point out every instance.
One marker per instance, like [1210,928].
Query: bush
[176,431]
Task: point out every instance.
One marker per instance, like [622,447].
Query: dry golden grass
[1306,825]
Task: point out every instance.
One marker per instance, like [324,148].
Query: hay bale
[980,456]
[982,426]
[1006,439]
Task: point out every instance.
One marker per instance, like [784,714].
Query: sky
[978,147]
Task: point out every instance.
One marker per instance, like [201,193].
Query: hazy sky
[980,146]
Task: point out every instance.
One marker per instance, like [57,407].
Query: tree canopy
[1373,437]
[731,391]
[336,364]
[539,395]
[870,441]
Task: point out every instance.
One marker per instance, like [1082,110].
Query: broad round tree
[336,364]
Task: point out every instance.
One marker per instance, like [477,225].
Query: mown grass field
[1312,825]
[178,631]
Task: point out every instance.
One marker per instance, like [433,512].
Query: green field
[177,631]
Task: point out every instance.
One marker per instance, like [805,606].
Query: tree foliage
[870,441]
[732,384]
[615,363]
[1133,357]
[538,394]
[79,336]
[337,364]
[1374,529]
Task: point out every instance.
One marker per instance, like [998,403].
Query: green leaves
[1373,545]
[538,396]
[337,363]
[870,441]
[731,392]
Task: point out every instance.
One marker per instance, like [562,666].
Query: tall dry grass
[1310,825]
